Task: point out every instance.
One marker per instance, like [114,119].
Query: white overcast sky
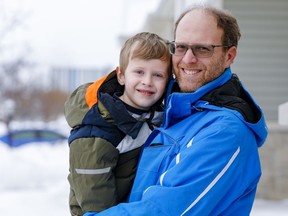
[80,33]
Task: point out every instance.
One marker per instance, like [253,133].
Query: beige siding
[262,61]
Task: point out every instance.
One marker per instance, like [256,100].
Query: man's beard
[215,71]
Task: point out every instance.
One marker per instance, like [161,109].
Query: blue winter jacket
[204,159]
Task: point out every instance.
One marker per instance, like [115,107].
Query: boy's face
[145,82]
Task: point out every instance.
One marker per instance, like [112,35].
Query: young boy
[111,119]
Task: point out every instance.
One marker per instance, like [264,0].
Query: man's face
[197,27]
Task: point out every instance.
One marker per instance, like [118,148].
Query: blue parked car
[21,137]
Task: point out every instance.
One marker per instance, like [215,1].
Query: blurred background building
[262,53]
[262,64]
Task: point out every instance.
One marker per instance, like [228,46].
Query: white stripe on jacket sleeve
[93,171]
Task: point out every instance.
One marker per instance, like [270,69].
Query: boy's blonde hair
[145,46]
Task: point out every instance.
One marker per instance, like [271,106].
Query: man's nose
[189,56]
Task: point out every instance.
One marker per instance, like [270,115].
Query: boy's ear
[120,76]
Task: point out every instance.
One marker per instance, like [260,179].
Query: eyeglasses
[198,50]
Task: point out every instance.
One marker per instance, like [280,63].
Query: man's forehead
[197,23]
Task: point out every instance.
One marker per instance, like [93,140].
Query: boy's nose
[147,80]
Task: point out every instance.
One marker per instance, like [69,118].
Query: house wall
[262,60]
[274,160]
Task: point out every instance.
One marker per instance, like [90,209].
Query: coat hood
[85,97]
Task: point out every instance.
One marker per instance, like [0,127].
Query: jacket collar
[184,100]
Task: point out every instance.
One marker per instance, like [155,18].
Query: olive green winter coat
[105,144]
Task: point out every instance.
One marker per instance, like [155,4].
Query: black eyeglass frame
[172,45]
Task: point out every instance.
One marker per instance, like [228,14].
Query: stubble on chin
[211,72]
[188,85]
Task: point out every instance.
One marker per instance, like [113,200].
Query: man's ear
[230,56]
[120,76]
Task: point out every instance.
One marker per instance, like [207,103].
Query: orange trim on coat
[91,92]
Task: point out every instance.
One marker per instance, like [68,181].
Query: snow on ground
[33,181]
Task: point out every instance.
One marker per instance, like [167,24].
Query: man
[204,159]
